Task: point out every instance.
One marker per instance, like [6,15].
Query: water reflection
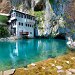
[23,52]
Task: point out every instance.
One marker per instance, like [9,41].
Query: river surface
[15,54]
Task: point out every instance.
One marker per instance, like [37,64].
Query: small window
[26,25]
[30,32]
[21,15]
[14,14]
[24,16]
[27,16]
[31,17]
[19,23]
[22,24]
[30,25]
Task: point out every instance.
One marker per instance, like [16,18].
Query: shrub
[3,19]
[3,32]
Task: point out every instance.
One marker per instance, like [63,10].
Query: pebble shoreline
[63,65]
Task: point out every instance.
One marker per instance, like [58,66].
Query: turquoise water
[15,54]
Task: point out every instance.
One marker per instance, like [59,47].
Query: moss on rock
[62,65]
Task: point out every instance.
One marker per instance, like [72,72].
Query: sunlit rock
[72,70]
[67,62]
[33,64]
[68,73]
[59,67]
[60,71]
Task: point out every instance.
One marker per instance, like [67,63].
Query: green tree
[3,32]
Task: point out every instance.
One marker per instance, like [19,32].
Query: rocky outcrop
[51,8]
[70,9]
[5,6]
[70,16]
[39,6]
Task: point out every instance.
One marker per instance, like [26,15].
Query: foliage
[3,19]
[72,31]
[51,1]
[3,32]
[40,16]
[39,13]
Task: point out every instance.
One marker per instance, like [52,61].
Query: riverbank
[12,38]
[63,65]
[15,38]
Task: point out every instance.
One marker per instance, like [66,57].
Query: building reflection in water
[24,52]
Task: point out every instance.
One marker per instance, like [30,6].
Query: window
[30,25]
[26,25]
[27,16]
[30,32]
[19,23]
[21,15]
[24,16]
[16,13]
[31,17]
[22,24]
[13,14]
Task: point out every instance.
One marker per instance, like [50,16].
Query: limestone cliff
[70,9]
[70,15]
[48,12]
[5,6]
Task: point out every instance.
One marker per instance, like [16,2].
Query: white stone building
[21,24]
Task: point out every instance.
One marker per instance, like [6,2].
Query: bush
[51,1]
[3,19]
[3,32]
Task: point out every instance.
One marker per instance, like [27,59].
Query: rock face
[70,9]
[51,8]
[5,6]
